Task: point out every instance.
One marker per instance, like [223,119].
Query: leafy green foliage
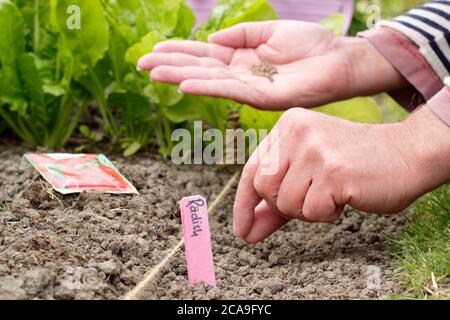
[358,110]
[89,41]
[368,11]
[230,12]
[12,45]
[335,23]
[36,73]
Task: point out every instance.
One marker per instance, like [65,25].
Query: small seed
[264,69]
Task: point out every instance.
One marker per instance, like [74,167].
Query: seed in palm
[264,69]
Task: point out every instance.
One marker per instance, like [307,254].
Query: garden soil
[92,246]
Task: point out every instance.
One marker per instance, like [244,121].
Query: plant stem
[98,93]
[36,30]
[64,112]
[23,134]
[167,131]
[74,123]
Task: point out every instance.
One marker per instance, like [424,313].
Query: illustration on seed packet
[75,173]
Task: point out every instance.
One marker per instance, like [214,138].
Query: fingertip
[158,47]
[266,222]
[212,37]
[190,86]
[242,222]
[235,229]
[183,86]
[143,63]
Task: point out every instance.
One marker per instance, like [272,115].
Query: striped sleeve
[428,27]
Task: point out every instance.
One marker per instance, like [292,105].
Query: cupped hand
[314,67]
[312,165]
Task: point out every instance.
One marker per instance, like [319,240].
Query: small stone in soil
[264,69]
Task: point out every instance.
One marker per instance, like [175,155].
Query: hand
[314,67]
[324,163]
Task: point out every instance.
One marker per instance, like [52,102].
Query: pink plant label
[197,241]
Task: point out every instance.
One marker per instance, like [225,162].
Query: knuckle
[321,212]
[248,170]
[289,116]
[333,170]
[300,128]
[263,188]
[259,184]
[289,208]
[316,216]
[313,152]
[312,215]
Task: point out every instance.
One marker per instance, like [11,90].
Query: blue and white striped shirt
[428,27]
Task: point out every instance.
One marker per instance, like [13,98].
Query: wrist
[429,146]
[369,71]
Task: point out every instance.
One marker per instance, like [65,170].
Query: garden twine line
[151,275]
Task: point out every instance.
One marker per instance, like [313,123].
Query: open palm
[311,71]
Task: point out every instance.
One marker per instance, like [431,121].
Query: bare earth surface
[101,246]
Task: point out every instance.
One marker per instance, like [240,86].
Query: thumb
[243,35]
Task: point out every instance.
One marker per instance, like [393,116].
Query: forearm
[370,72]
[429,141]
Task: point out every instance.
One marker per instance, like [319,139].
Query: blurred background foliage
[366,10]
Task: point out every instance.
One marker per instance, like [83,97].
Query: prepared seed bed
[104,246]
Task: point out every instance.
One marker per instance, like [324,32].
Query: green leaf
[163,94]
[143,47]
[230,12]
[85,131]
[85,31]
[358,110]
[168,95]
[30,78]
[134,112]
[335,23]
[34,93]
[12,45]
[202,35]
[186,21]
[161,15]
[213,111]
[36,15]
[185,110]
[134,147]
[150,92]
[251,118]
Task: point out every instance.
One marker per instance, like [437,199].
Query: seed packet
[76,173]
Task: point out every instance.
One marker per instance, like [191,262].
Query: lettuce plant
[37,99]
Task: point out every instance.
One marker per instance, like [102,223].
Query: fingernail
[138,69]
[179,91]
[235,229]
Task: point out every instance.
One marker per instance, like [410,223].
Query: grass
[422,251]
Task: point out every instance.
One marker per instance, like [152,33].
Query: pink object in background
[306,10]
[197,240]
